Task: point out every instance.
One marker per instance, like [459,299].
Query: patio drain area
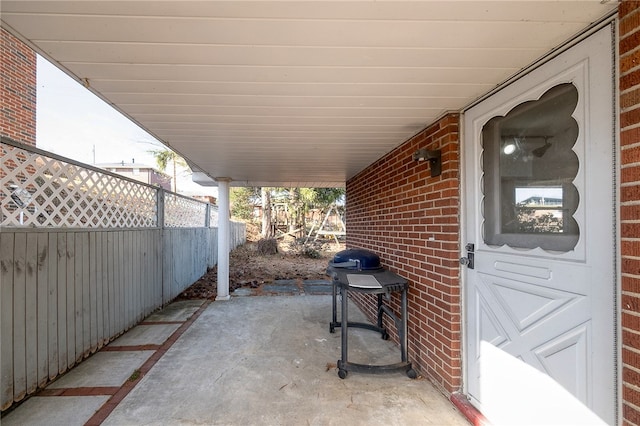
[250,360]
[292,287]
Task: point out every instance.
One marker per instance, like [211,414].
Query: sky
[73,122]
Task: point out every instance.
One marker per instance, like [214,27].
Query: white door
[539,212]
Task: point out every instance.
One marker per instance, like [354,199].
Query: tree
[163,157]
[296,210]
[243,200]
[321,198]
[267,229]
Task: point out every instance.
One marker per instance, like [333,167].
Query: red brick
[628,14]
[630,155]
[631,98]
[630,248]
[631,266]
[632,116]
[631,284]
[629,42]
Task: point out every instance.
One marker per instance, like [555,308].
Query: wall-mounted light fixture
[520,147]
[433,157]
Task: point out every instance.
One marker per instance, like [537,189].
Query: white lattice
[37,190]
[183,212]
[213,217]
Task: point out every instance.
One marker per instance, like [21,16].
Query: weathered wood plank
[119,302]
[43,308]
[93,297]
[176,239]
[144,277]
[138,269]
[155,285]
[145,296]
[137,274]
[31,311]
[87,309]
[79,294]
[6,320]
[117,282]
[167,272]
[128,294]
[19,316]
[100,286]
[61,284]
[71,300]
[135,284]
[112,291]
[152,280]
[103,260]
[132,281]
[156,252]
[52,312]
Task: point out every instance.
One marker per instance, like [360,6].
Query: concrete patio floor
[267,360]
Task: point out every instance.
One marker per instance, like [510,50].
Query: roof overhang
[292,93]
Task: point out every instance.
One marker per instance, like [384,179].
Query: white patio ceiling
[292,93]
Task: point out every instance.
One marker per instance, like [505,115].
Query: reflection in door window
[538,209]
[529,167]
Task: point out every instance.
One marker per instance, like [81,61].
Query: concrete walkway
[248,361]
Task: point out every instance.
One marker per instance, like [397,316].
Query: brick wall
[17,89]
[396,209]
[629,61]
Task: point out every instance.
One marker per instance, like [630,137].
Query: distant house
[140,172]
[538,201]
[207,198]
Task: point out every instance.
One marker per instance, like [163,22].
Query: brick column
[629,25]
[17,89]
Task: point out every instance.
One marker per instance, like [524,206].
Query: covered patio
[410,106]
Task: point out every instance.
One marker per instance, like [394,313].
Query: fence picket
[93,289]
[61,284]
[19,317]
[71,301]
[110,266]
[98,288]
[42,330]
[85,347]
[79,296]
[31,312]
[6,327]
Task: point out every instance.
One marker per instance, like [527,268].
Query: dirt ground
[249,267]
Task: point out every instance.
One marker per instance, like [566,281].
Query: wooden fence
[67,291]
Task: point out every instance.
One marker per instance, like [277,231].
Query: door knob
[468,261]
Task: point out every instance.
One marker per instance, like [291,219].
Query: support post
[223,238]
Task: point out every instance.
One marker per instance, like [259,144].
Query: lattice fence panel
[40,191]
[213,217]
[183,212]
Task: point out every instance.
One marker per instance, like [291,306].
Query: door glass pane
[529,168]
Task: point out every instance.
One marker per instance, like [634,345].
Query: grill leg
[334,313]
[403,326]
[342,372]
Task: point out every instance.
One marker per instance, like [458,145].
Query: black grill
[356,260]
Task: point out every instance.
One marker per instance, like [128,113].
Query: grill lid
[356,259]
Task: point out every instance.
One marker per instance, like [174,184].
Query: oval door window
[528,171]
